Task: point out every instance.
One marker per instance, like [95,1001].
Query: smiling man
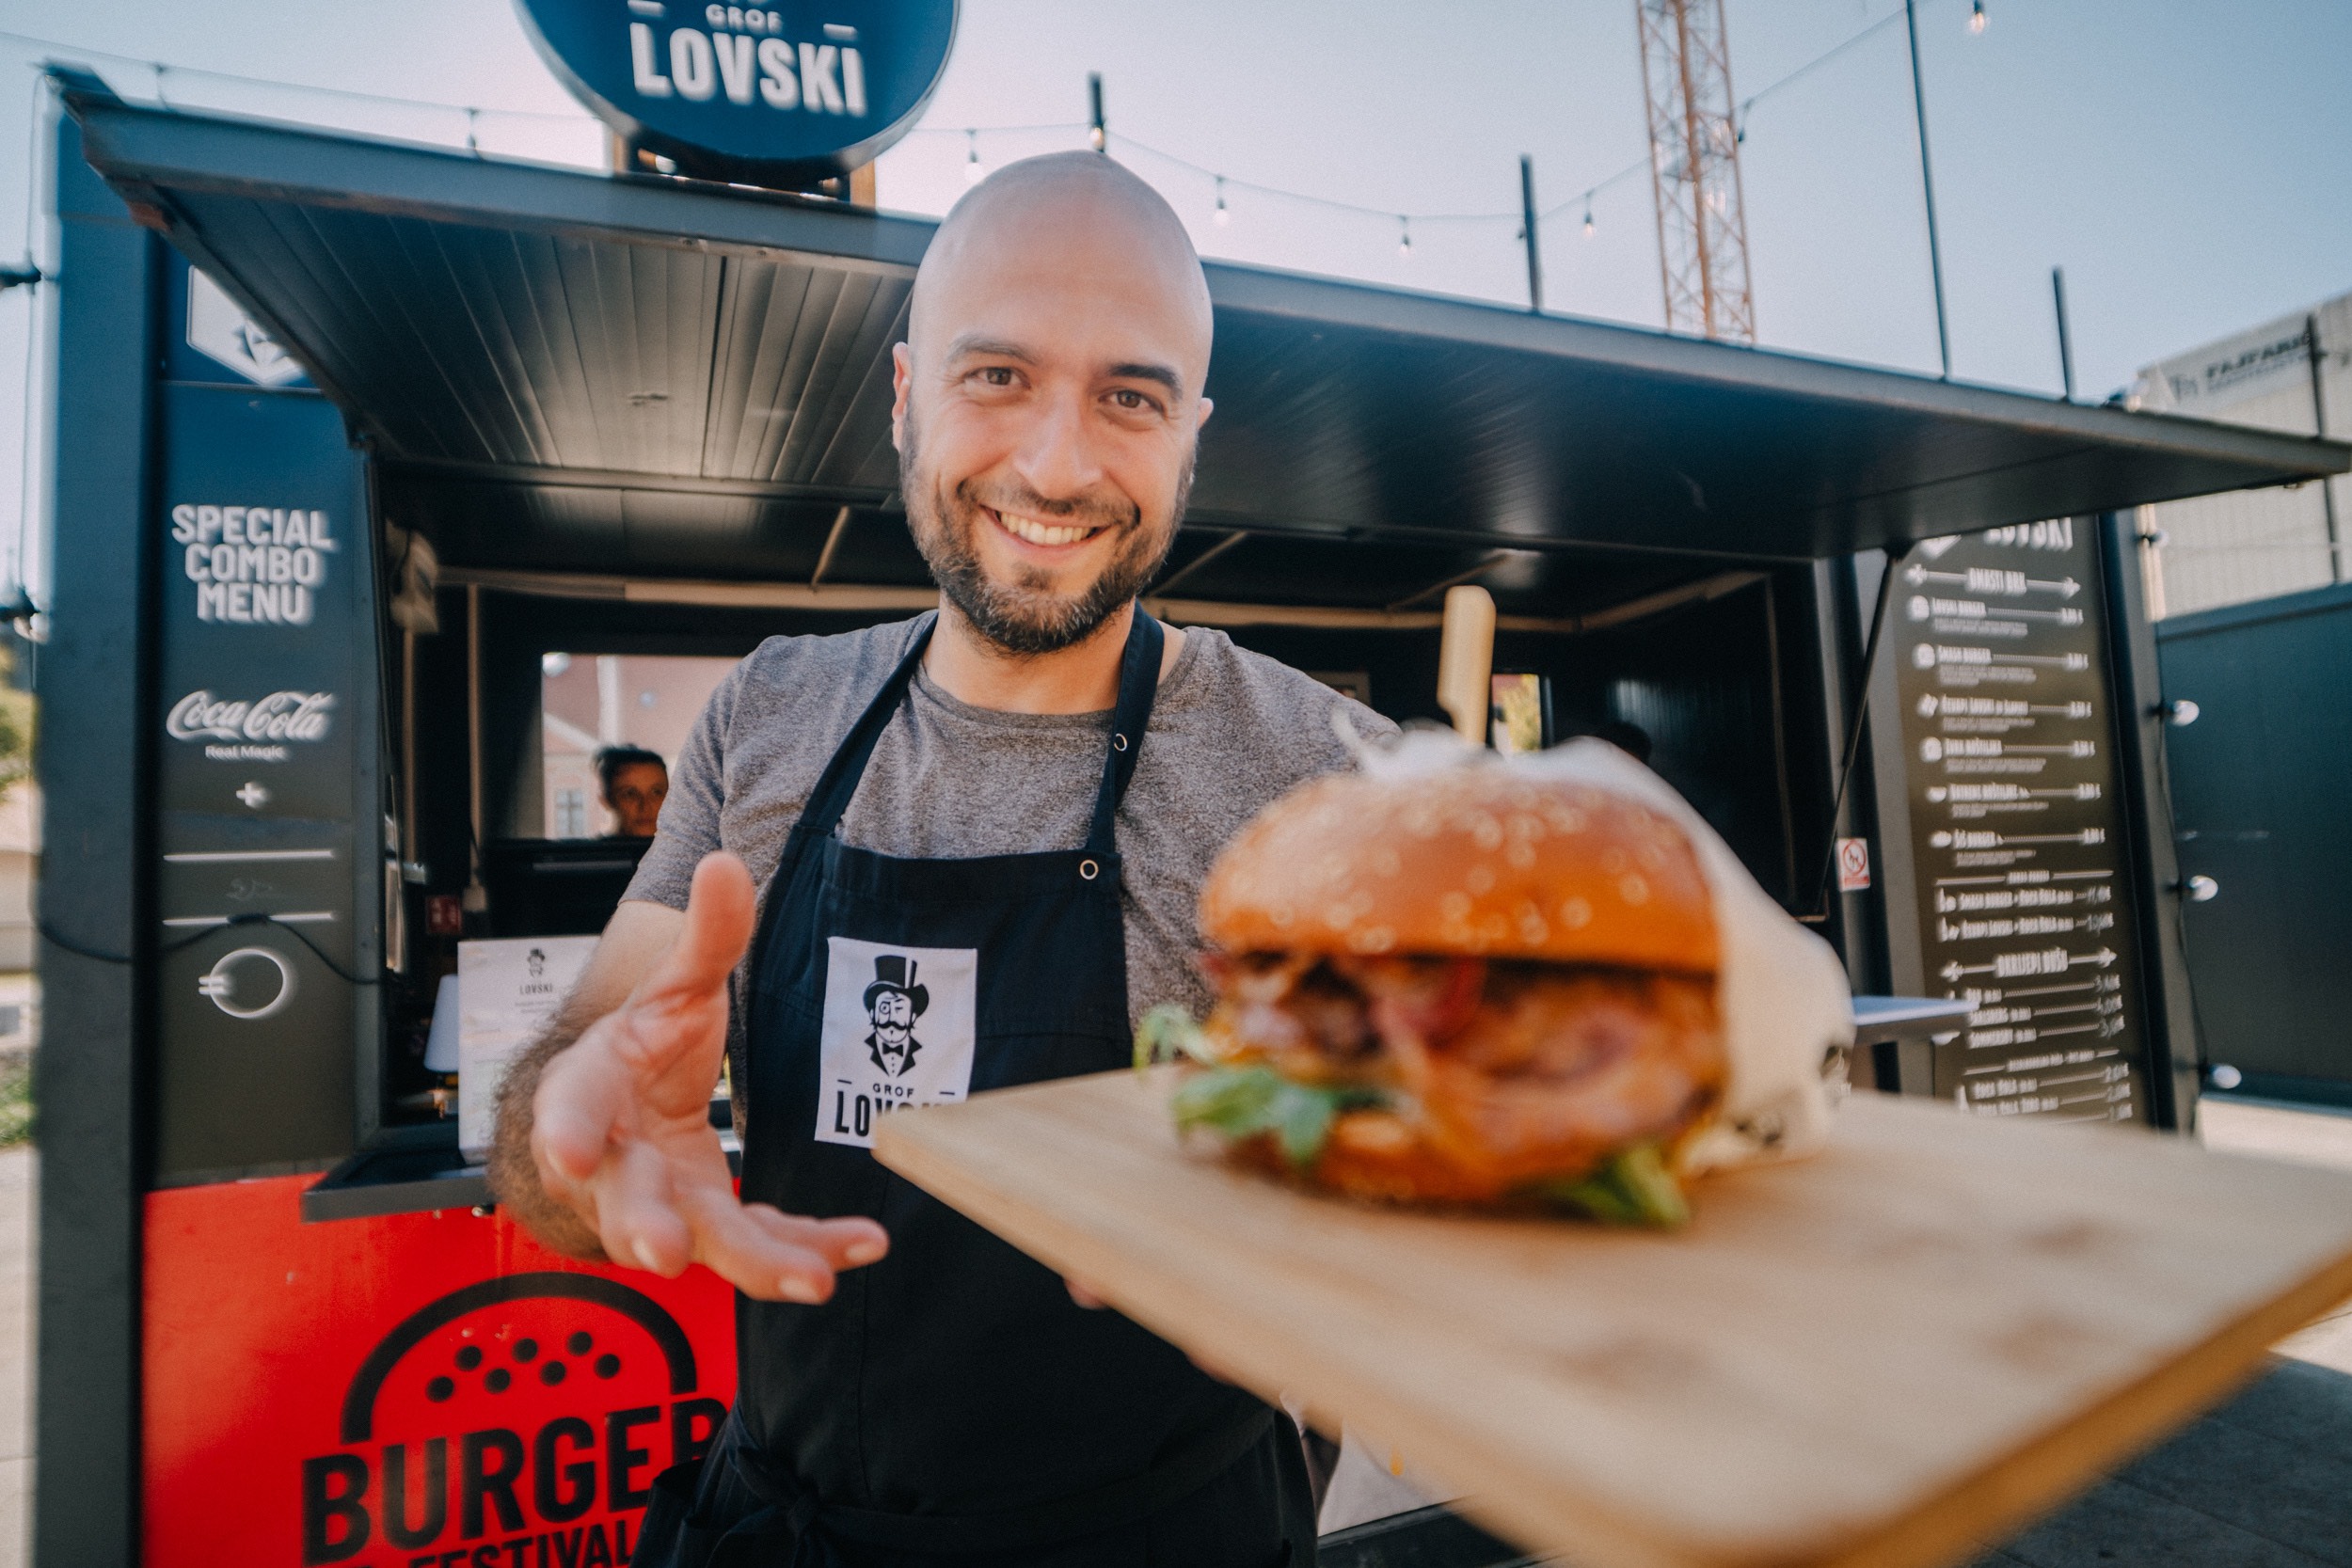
[987,824]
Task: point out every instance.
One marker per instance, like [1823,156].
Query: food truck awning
[641,376]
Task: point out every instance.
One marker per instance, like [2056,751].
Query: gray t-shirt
[1231,731]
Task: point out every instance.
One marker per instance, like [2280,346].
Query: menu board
[2026,904]
[264,724]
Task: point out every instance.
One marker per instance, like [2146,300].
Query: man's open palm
[621,1128]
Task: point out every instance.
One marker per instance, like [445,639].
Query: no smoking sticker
[1853,864]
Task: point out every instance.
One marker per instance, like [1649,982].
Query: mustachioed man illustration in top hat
[894,1001]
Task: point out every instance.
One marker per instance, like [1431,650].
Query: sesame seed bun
[1478,861]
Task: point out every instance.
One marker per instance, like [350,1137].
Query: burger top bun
[1486,861]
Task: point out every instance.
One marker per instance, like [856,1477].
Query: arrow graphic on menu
[2057,990]
[1981,838]
[1993,579]
[2054,960]
[2105,1004]
[2102,1026]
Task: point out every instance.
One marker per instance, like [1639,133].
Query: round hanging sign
[808,89]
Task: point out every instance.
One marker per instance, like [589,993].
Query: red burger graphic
[502,1415]
[411,1390]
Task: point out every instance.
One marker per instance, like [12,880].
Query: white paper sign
[506,989]
[897,1032]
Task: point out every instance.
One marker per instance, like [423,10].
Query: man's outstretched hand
[621,1131]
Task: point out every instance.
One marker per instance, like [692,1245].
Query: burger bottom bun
[1376,1156]
[1373,1154]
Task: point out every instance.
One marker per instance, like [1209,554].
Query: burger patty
[1510,1071]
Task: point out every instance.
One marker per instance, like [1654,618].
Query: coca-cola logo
[281,716]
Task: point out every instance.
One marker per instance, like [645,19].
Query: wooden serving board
[1892,1353]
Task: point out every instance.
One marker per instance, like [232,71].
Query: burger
[1478,987]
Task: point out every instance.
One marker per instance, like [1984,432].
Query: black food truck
[392,483]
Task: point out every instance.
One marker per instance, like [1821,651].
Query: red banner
[430,1388]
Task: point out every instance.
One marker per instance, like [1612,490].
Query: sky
[2186,163]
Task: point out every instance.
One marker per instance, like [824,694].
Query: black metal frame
[97,776]
[2154,859]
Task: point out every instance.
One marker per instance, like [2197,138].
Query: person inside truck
[634,783]
[1014,798]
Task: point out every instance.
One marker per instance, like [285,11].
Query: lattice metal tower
[1694,168]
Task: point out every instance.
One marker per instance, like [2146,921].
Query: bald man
[974,842]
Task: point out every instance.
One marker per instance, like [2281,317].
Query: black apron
[952,1403]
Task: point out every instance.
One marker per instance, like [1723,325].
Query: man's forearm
[637,936]
[515,1173]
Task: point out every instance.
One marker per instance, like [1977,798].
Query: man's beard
[1025,616]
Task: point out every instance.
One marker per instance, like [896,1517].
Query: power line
[1813,65]
[999,129]
[970,132]
[1583,199]
[163,67]
[1235,182]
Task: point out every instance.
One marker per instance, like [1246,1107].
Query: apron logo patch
[897,1032]
[894,1001]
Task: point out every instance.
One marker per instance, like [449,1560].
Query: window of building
[569,817]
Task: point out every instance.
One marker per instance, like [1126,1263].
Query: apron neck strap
[1138,687]
[839,780]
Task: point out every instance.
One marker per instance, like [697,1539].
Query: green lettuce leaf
[1166,1033]
[1632,1187]
[1243,1101]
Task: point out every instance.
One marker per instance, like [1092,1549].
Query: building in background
[2292,374]
[20,858]
[591,700]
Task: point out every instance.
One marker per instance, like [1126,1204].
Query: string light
[1976,17]
[975,170]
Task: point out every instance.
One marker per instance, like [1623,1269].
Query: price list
[2026,904]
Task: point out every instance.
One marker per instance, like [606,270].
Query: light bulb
[972,169]
[1222,215]
[1976,17]
[1404,238]
[1588,223]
